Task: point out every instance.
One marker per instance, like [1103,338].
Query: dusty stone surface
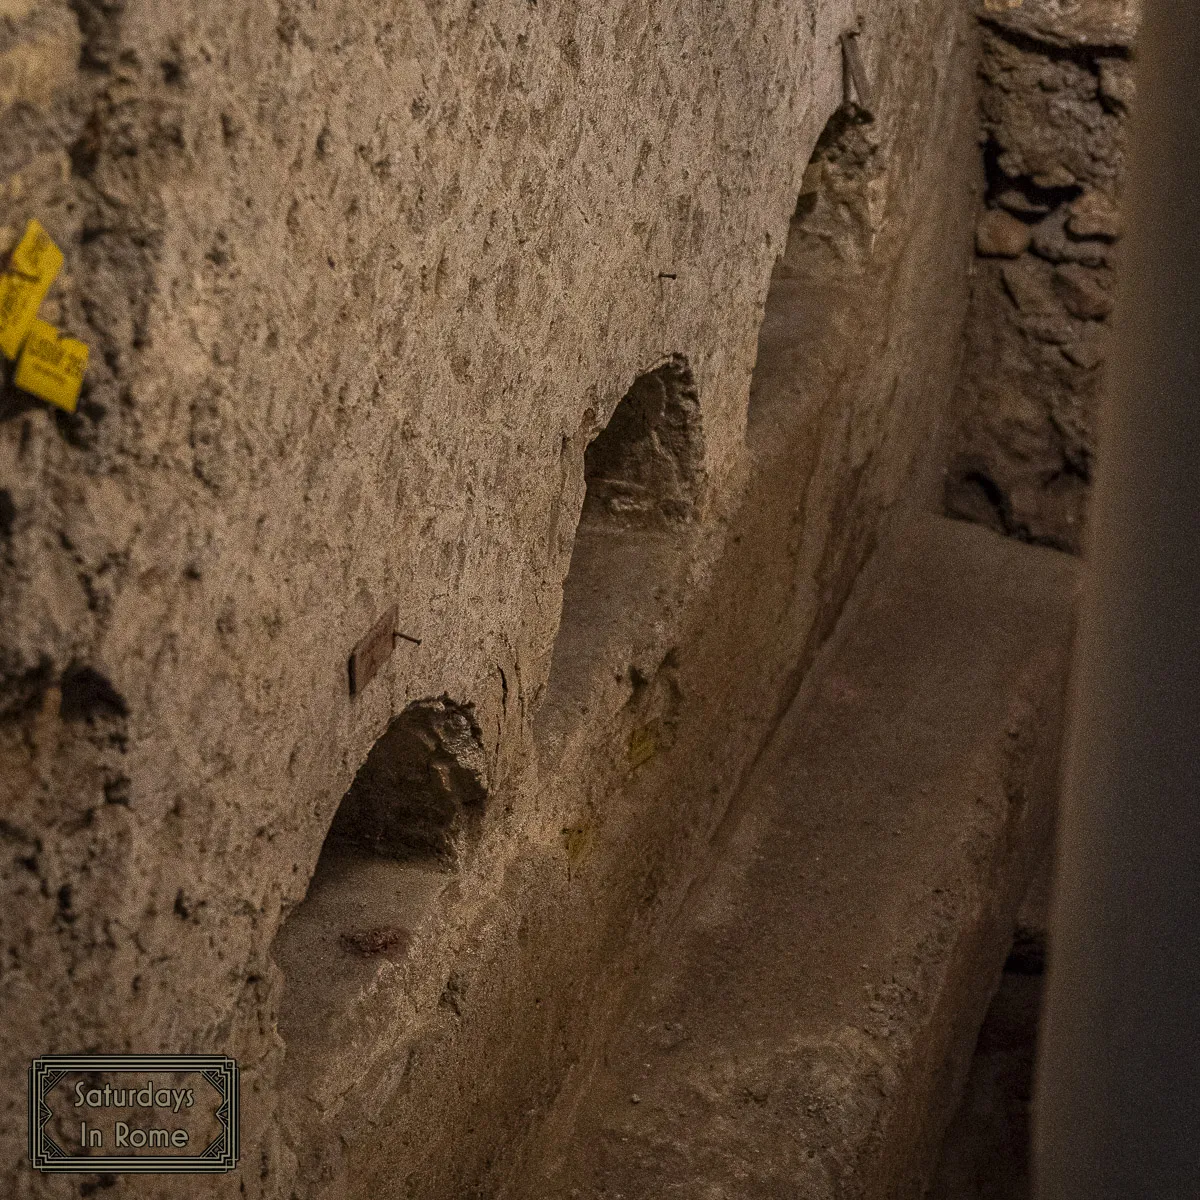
[804,1027]
[1056,83]
[361,285]
[1001,235]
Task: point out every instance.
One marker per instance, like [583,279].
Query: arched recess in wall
[823,269]
[825,380]
[396,841]
[644,479]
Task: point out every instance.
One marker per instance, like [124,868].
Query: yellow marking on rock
[642,745]
[33,72]
[576,839]
[52,366]
[31,270]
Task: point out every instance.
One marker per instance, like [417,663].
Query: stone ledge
[1094,24]
[807,1027]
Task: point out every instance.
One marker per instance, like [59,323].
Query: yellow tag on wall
[24,284]
[52,366]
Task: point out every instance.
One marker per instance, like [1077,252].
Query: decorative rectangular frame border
[219,1156]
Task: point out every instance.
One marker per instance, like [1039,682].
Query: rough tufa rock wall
[362,281]
[1056,84]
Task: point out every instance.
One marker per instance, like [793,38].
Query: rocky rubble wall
[1056,85]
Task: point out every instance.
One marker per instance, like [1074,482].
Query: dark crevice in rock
[645,468]
[1083,54]
[422,788]
[1038,201]
[87,695]
[8,515]
[99,23]
[22,691]
[1079,44]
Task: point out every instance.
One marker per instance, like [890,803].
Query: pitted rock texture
[361,281]
[1056,84]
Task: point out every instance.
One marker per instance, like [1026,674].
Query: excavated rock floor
[806,1028]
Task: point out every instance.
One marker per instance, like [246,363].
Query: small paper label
[373,651]
[52,366]
[24,284]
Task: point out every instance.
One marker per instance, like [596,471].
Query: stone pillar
[1118,1094]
